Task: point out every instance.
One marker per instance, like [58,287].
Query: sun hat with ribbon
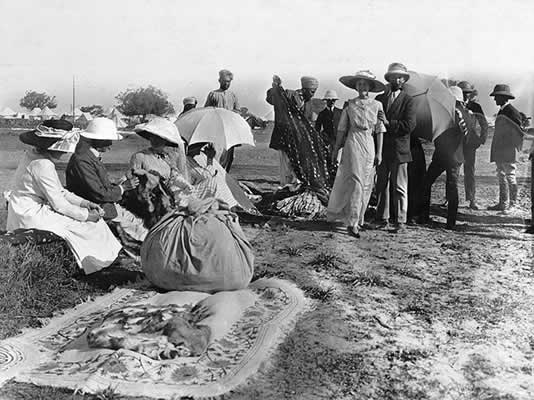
[54,135]
[375,85]
[502,90]
[101,128]
[457,93]
[330,95]
[397,69]
[160,127]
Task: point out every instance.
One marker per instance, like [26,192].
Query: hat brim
[468,90]
[350,81]
[89,135]
[147,135]
[31,139]
[505,94]
[397,72]
[330,98]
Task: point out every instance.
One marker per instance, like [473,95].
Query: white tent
[21,115]
[117,117]
[48,113]
[77,112]
[7,112]
[87,116]
[35,113]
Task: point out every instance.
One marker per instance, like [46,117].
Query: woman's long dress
[354,180]
[39,201]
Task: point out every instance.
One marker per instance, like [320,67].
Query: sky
[179,46]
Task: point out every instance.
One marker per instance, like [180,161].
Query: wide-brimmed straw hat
[375,85]
[397,69]
[56,135]
[457,93]
[101,128]
[502,90]
[330,95]
[466,87]
[160,127]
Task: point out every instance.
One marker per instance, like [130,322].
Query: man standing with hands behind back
[399,119]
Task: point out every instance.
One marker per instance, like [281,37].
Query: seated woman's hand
[130,183]
[210,151]
[94,216]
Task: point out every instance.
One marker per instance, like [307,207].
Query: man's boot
[503,198]
[513,198]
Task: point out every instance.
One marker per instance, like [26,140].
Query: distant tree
[34,99]
[95,110]
[144,101]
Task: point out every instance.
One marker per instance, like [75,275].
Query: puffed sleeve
[45,174]
[380,127]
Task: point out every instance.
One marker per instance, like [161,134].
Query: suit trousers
[435,169]
[392,186]
[506,173]
[416,179]
[469,172]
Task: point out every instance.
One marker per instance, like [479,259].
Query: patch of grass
[366,278]
[407,355]
[319,293]
[326,261]
[36,281]
[292,251]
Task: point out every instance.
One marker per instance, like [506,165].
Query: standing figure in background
[328,119]
[474,139]
[448,156]
[360,123]
[189,104]
[301,99]
[224,98]
[392,173]
[507,141]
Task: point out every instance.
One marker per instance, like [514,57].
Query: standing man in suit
[448,156]
[507,141]
[392,173]
[328,119]
[474,139]
[189,104]
[224,98]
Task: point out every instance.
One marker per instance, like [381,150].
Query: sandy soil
[429,314]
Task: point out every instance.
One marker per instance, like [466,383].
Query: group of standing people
[379,150]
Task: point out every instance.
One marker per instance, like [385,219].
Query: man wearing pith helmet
[475,138]
[392,173]
[506,143]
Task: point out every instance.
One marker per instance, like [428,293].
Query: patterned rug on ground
[245,332]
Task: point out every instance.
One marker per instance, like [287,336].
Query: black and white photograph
[248,200]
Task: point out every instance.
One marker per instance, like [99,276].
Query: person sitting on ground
[87,176]
[39,200]
[448,156]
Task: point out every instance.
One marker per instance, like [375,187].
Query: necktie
[461,122]
[391,99]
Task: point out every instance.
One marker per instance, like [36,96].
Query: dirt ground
[428,314]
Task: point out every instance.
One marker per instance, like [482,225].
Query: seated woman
[166,158]
[39,201]
[87,176]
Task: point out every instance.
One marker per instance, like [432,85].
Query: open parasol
[219,126]
[434,104]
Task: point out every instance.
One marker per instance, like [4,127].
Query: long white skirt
[92,243]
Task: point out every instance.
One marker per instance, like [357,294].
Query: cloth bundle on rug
[200,247]
[244,329]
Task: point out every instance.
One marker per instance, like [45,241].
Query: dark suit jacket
[449,146]
[327,122]
[402,121]
[474,139]
[508,142]
[511,112]
[87,177]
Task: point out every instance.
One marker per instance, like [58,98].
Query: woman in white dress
[39,201]
[360,132]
